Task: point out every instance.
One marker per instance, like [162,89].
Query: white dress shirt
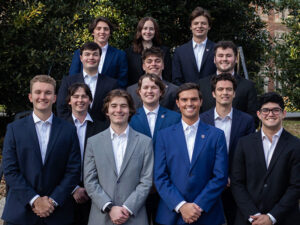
[199,52]
[91,81]
[151,117]
[225,125]
[103,54]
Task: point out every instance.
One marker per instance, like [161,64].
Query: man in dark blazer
[245,95]
[149,119]
[265,177]
[190,166]
[41,162]
[79,98]
[195,59]
[153,63]
[113,61]
[99,84]
[233,122]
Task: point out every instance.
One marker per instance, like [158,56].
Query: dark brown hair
[74,87]
[94,23]
[153,78]
[199,11]
[90,46]
[138,39]
[223,76]
[224,45]
[156,51]
[186,87]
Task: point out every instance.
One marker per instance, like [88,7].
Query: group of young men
[154,153]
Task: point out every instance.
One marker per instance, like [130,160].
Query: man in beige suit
[118,167]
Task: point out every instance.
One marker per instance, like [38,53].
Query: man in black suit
[195,59]
[233,122]
[79,98]
[153,63]
[99,84]
[245,94]
[265,177]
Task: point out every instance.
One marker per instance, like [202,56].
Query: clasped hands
[262,219]
[190,212]
[119,214]
[43,206]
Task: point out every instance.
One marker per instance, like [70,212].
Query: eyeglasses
[266,111]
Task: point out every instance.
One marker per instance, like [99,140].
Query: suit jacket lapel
[89,131]
[161,116]
[180,142]
[106,146]
[33,137]
[200,141]
[234,127]
[190,54]
[282,142]
[208,48]
[107,60]
[141,115]
[211,116]
[131,143]
[98,91]
[259,151]
[54,133]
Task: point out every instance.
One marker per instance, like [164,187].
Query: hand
[190,212]
[80,195]
[42,206]
[118,215]
[228,182]
[262,219]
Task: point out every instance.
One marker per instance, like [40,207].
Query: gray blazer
[130,187]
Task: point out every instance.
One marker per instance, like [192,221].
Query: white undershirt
[199,52]
[190,136]
[103,54]
[91,81]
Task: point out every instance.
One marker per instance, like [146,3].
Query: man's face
[225,60]
[271,120]
[148,31]
[79,102]
[200,27]
[224,92]
[42,97]
[101,33]
[153,65]
[118,111]
[90,59]
[189,105]
[149,92]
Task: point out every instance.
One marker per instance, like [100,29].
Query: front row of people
[103,172]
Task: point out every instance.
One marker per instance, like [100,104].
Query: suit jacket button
[265,185]
[118,181]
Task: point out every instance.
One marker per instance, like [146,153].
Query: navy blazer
[273,190]
[104,85]
[27,176]
[184,67]
[200,180]
[242,125]
[115,65]
[165,118]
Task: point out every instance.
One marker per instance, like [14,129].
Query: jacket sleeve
[177,76]
[123,70]
[62,108]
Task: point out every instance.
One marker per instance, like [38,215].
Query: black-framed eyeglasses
[275,111]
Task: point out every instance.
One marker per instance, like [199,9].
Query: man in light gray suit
[118,167]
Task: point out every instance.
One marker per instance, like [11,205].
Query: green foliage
[286,57]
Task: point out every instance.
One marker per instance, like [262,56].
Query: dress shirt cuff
[106,204]
[55,204]
[75,189]
[128,209]
[33,199]
[179,206]
[272,218]
[251,220]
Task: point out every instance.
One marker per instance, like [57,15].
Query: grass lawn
[293,126]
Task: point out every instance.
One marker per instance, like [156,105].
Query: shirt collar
[195,44]
[278,134]
[155,111]
[113,134]
[217,116]
[105,47]
[218,73]
[87,118]
[194,126]
[36,119]
[85,75]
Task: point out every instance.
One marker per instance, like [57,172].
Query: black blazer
[135,69]
[168,100]
[273,190]
[104,85]
[245,96]
[184,67]
[242,125]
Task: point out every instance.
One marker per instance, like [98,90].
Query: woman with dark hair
[147,35]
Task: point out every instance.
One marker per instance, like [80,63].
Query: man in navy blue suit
[151,118]
[195,59]
[99,84]
[41,162]
[233,122]
[190,166]
[113,61]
